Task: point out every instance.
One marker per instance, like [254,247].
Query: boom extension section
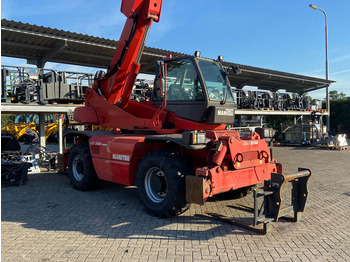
[116,85]
[114,88]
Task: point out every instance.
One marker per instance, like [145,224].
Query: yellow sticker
[238,164]
[260,161]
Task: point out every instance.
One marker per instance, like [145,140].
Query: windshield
[183,83]
[215,80]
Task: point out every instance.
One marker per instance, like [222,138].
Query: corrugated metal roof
[32,42]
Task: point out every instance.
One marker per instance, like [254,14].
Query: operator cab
[197,89]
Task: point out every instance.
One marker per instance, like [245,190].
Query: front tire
[160,180]
[81,170]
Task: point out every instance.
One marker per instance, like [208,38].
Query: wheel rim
[78,168]
[156,184]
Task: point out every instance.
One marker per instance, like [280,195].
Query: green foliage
[340,112]
[7,118]
[275,121]
[334,95]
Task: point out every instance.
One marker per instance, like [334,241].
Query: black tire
[161,182]
[81,170]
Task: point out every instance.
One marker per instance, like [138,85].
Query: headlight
[194,137]
[200,138]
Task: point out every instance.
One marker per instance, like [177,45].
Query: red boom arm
[117,84]
[107,103]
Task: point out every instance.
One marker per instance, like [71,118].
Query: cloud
[71,68]
[11,61]
[341,72]
[340,58]
[316,73]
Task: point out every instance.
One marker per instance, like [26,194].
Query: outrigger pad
[272,207]
[297,182]
[197,189]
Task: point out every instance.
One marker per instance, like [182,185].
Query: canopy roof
[40,44]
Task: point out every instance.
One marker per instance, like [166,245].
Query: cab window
[183,82]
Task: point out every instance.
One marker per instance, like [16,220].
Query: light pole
[327,87]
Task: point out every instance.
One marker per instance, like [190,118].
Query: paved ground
[47,220]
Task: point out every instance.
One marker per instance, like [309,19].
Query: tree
[334,95]
[6,118]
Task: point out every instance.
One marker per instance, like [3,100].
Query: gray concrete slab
[47,220]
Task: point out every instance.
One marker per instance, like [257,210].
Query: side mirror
[159,90]
[236,70]
[163,73]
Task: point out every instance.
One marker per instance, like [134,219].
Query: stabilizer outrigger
[272,206]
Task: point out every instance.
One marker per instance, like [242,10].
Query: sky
[283,35]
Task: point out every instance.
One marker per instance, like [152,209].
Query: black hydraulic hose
[125,49]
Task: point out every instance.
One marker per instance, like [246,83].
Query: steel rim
[78,168]
[156,185]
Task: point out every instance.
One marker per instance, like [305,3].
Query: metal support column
[42,139]
[328,109]
[60,134]
[239,118]
[303,137]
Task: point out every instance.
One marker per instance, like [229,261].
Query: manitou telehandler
[176,148]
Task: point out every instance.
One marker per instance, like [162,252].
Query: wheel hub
[156,184]
[78,167]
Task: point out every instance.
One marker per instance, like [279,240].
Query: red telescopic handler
[176,147]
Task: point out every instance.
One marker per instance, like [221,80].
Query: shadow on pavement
[47,202]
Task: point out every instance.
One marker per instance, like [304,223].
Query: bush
[7,118]
[340,115]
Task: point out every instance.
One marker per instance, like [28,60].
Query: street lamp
[327,87]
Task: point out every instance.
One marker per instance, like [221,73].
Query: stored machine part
[14,172]
[26,85]
[332,142]
[13,169]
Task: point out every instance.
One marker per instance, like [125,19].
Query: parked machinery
[142,90]
[64,87]
[316,104]
[306,102]
[332,142]
[268,100]
[20,84]
[294,102]
[23,128]
[13,169]
[243,99]
[26,85]
[259,100]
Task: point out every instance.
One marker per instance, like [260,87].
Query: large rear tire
[160,180]
[81,170]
